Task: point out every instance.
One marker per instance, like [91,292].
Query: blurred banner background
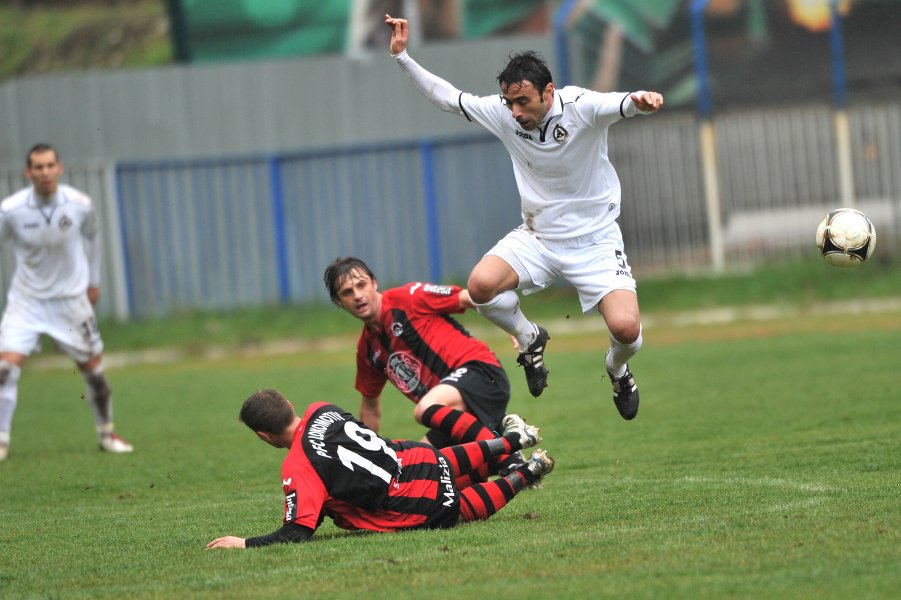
[282,136]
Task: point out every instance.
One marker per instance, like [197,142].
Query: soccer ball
[846,237]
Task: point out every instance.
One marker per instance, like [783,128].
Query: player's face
[527,104]
[44,170]
[358,294]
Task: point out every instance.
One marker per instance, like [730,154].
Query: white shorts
[69,321]
[595,264]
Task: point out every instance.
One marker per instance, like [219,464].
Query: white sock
[503,310]
[620,354]
[9,394]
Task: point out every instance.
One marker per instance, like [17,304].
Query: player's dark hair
[526,66]
[267,410]
[40,147]
[339,270]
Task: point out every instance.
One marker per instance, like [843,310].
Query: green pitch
[765,462]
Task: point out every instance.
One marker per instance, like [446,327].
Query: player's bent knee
[626,332]
[481,290]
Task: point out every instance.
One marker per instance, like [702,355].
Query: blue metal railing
[218,233]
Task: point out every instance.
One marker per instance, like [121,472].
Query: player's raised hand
[647,101]
[400,33]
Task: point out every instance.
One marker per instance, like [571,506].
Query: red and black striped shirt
[419,343]
[338,468]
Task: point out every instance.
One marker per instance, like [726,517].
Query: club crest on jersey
[404,371]
[397,329]
[65,223]
[560,133]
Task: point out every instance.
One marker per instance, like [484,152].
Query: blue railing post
[838,62]
[560,46]
[699,44]
[278,227]
[430,198]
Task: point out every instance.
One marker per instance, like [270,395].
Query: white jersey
[56,243]
[567,185]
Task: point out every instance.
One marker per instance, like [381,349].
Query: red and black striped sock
[466,458]
[482,500]
[462,428]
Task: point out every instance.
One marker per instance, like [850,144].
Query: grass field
[765,463]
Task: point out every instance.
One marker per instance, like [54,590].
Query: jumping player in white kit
[55,235]
[570,195]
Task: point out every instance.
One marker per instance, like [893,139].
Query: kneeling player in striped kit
[336,467]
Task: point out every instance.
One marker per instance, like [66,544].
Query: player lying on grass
[338,468]
[458,386]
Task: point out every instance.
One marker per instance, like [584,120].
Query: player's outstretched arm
[439,92]
[289,533]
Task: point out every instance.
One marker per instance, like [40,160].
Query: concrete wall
[239,108]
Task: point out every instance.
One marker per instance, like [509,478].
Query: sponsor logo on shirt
[445,480]
[415,287]
[291,507]
[404,371]
[523,135]
[441,290]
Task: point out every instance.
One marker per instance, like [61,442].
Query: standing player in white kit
[570,195]
[55,234]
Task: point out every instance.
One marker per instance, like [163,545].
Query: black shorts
[485,390]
